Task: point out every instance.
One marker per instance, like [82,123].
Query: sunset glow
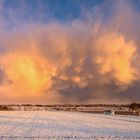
[93,56]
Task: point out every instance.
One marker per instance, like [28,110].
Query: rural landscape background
[70,69]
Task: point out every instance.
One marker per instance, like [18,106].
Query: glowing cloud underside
[76,62]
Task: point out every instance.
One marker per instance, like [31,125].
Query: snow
[67,125]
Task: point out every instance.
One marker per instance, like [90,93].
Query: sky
[69,51]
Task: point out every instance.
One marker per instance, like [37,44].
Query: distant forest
[132,106]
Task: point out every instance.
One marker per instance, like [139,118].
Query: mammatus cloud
[82,61]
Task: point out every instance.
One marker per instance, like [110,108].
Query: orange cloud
[74,62]
[115,56]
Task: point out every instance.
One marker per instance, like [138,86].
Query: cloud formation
[87,60]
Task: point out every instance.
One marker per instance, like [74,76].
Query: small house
[109,112]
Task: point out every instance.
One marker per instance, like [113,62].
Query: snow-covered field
[67,125]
